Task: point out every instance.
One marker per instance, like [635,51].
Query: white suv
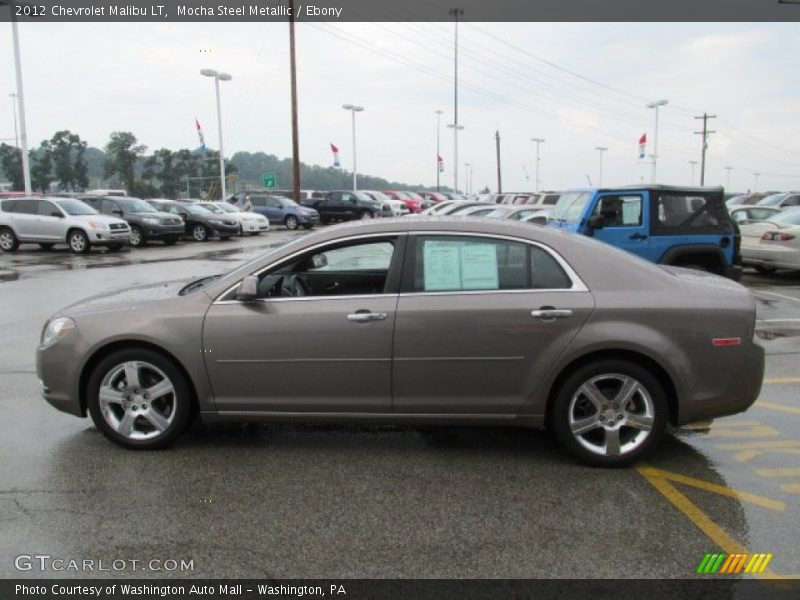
[50,221]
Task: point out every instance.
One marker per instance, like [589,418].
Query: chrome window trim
[577,283]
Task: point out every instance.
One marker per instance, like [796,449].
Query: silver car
[468,321]
[50,221]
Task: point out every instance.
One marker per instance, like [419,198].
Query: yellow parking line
[778,380]
[700,519]
[781,407]
[723,490]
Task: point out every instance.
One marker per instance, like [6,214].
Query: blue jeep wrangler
[682,226]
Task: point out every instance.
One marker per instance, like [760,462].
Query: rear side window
[455,263]
[27,207]
[676,214]
[7,205]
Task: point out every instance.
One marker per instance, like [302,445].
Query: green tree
[80,167]
[69,162]
[122,152]
[42,167]
[11,163]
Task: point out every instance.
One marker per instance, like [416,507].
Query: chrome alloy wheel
[77,242]
[137,400]
[6,240]
[611,414]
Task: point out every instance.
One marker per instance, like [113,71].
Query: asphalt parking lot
[264,500]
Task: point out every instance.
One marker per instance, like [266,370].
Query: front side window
[48,209]
[620,211]
[355,268]
[455,264]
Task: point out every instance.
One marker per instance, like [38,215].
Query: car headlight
[56,329]
[98,225]
[151,221]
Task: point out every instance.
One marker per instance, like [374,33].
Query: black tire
[764,270]
[46,245]
[114,247]
[225,238]
[200,233]
[366,215]
[291,222]
[138,239]
[78,242]
[8,240]
[181,399]
[170,241]
[252,233]
[308,226]
[603,373]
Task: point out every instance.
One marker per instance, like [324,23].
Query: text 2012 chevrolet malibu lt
[445,321]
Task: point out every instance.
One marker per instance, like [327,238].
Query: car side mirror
[248,289]
[319,260]
[55,213]
[597,222]
[117,212]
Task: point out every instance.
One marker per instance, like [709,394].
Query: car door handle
[366,317]
[638,236]
[548,314]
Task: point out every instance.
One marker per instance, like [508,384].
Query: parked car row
[779,200]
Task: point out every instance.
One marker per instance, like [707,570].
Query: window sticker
[479,267]
[450,266]
[442,266]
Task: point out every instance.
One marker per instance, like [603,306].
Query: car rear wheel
[78,242]
[139,399]
[8,241]
[200,233]
[291,223]
[764,270]
[138,238]
[46,245]
[609,413]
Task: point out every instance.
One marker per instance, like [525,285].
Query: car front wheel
[609,413]
[137,239]
[139,399]
[78,242]
[8,241]
[200,233]
[291,223]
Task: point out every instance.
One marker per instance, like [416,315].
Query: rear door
[473,332]
[624,222]
[26,218]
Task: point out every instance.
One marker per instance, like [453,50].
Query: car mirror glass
[248,289]
[319,261]
[597,221]
[55,213]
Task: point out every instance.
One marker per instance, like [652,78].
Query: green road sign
[270,181]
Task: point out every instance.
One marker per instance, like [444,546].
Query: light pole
[217,78]
[600,149]
[466,178]
[16,133]
[757,175]
[438,154]
[656,105]
[456,128]
[728,178]
[26,168]
[353,110]
[693,163]
[536,181]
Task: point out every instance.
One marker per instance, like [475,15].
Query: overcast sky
[94,79]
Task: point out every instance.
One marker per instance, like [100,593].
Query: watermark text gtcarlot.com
[46,562]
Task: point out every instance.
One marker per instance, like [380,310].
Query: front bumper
[158,232]
[254,226]
[58,368]
[104,237]
[223,229]
[306,219]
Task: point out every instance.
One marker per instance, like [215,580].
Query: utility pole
[728,179]
[705,133]
[466,178]
[536,182]
[455,13]
[693,163]
[438,154]
[656,105]
[499,176]
[600,149]
[295,133]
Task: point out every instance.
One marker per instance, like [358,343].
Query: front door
[50,225]
[318,338]
[476,331]
[624,222]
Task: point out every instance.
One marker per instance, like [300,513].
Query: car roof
[657,187]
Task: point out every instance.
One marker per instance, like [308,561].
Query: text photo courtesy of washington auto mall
[365,299]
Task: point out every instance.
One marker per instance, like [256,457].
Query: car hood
[98,219]
[125,299]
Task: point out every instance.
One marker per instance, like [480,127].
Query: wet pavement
[262,500]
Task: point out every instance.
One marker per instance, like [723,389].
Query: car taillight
[720,342]
[776,236]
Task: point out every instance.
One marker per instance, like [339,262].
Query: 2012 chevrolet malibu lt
[449,321]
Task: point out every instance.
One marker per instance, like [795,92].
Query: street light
[655,134]
[757,175]
[600,149]
[456,128]
[438,153]
[16,132]
[217,78]
[353,110]
[467,175]
[26,169]
[536,181]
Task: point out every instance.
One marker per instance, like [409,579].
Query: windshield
[135,205]
[288,202]
[197,209]
[787,218]
[225,207]
[76,207]
[773,200]
[569,207]
[498,213]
